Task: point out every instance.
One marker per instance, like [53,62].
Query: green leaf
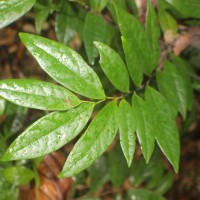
[165,184]
[15,119]
[18,175]
[98,5]
[166,131]
[172,87]
[67,24]
[95,29]
[49,133]
[188,8]
[136,45]
[13,9]
[64,65]
[37,94]
[135,70]
[144,128]
[143,194]
[117,167]
[167,22]
[184,71]
[42,10]
[96,139]
[113,66]
[153,32]
[2,105]
[98,174]
[127,128]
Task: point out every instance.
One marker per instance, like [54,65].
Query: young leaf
[13,9]
[172,87]
[18,175]
[97,138]
[127,128]
[144,128]
[113,66]
[64,65]
[94,30]
[49,133]
[138,44]
[153,32]
[166,132]
[37,94]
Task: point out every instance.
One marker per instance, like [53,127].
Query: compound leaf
[49,133]
[37,94]
[144,128]
[113,66]
[166,132]
[127,130]
[97,138]
[64,65]
[13,9]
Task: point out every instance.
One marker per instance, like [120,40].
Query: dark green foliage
[139,108]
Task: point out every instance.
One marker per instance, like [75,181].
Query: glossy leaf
[64,65]
[117,167]
[49,133]
[113,66]
[137,52]
[37,94]
[144,128]
[153,32]
[127,128]
[166,132]
[172,87]
[188,8]
[143,194]
[96,139]
[18,175]
[13,9]
[95,29]
[184,70]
